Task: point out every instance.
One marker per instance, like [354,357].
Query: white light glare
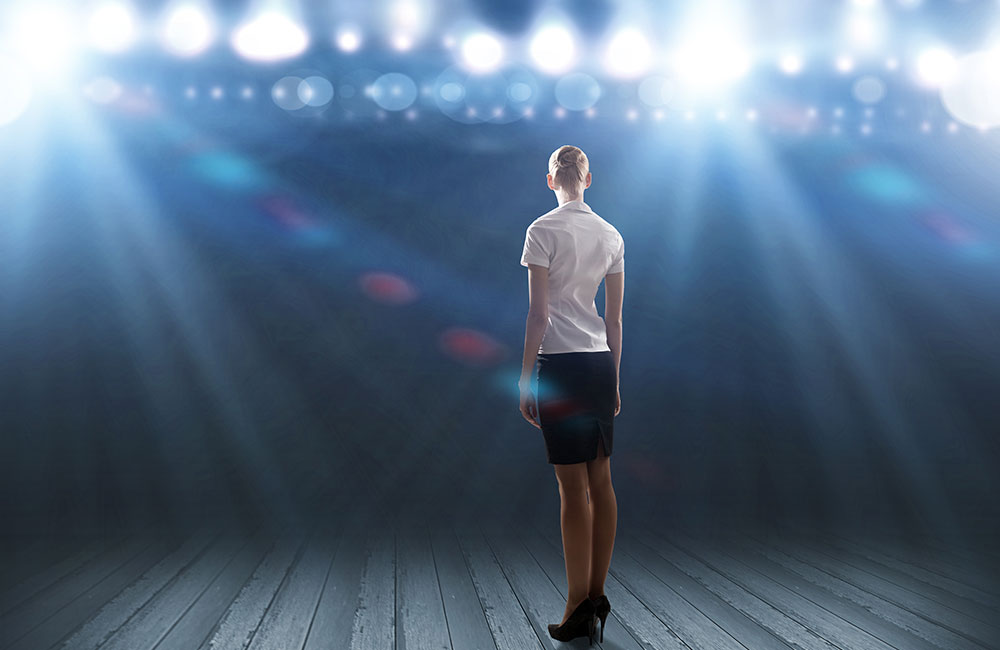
[553,49]
[188,30]
[348,39]
[482,52]
[628,53]
[112,27]
[714,54]
[935,66]
[43,36]
[271,36]
[790,63]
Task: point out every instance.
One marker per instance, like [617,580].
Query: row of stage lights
[46,35]
[713,56]
[294,93]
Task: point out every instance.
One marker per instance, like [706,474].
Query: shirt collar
[580,205]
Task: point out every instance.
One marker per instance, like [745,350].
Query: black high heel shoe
[602,606]
[580,623]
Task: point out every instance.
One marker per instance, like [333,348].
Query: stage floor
[474,587]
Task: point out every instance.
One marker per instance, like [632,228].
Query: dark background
[188,329]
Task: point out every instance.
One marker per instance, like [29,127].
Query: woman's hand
[529,407]
[618,400]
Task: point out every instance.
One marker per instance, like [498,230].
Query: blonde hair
[569,166]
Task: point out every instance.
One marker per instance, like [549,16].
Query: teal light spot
[886,184]
[228,170]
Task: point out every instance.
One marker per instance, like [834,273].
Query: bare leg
[605,519]
[576,532]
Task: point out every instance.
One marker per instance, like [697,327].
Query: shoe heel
[602,628]
[593,628]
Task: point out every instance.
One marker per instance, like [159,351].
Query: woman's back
[579,248]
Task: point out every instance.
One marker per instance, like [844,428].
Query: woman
[568,251]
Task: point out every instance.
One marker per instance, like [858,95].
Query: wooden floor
[471,588]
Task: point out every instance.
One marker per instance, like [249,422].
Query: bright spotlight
[935,66]
[16,84]
[271,36]
[553,49]
[844,63]
[972,93]
[790,63]
[407,20]
[44,37]
[348,39]
[112,27]
[864,30]
[188,30]
[628,53]
[712,62]
[482,52]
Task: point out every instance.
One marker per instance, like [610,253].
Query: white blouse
[579,248]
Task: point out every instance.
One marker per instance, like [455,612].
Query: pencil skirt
[576,404]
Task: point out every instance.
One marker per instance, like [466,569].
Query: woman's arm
[614,294]
[537,320]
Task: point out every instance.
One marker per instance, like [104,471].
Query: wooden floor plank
[750,619]
[152,622]
[848,610]
[333,622]
[689,624]
[630,621]
[508,621]
[374,624]
[935,634]
[467,624]
[119,609]
[967,607]
[36,568]
[67,619]
[289,618]
[26,616]
[198,623]
[241,619]
[832,627]
[919,604]
[420,615]
[978,583]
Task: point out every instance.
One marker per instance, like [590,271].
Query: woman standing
[568,251]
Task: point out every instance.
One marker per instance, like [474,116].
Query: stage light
[482,52]
[15,82]
[270,36]
[844,64]
[935,66]
[348,39]
[791,64]
[44,37]
[628,54]
[972,93]
[401,42]
[553,49]
[864,30]
[712,53]
[711,62]
[112,27]
[188,30]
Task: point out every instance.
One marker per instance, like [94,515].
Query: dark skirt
[576,404]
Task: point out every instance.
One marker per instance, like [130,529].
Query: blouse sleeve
[536,250]
[618,264]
